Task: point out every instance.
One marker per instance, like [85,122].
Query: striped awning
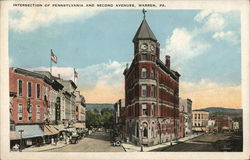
[29,131]
[50,130]
[59,127]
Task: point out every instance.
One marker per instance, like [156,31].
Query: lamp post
[21,137]
[141,129]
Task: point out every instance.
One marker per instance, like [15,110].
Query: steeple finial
[144,13]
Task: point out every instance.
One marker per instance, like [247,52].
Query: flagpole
[50,63]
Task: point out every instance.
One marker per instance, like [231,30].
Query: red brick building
[31,103]
[151,92]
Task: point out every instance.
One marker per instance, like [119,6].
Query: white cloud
[215,20]
[29,19]
[227,35]
[182,46]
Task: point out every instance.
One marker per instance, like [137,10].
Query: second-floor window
[20,112]
[38,112]
[37,91]
[20,88]
[144,90]
[144,73]
[29,89]
[29,112]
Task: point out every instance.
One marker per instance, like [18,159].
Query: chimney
[167,61]
[59,76]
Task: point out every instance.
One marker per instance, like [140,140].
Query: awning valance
[29,131]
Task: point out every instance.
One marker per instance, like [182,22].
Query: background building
[200,120]
[119,116]
[186,107]
[151,92]
[80,109]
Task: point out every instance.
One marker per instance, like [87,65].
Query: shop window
[145,130]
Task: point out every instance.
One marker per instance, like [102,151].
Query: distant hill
[92,106]
[213,111]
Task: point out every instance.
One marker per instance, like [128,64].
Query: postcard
[98,79]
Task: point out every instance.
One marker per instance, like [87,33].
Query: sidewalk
[60,144]
[128,147]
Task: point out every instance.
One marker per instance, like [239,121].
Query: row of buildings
[42,105]
[203,122]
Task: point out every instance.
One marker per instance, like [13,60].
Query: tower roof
[144,32]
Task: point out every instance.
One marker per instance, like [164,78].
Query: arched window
[145,129]
[199,116]
[144,73]
[152,129]
[137,130]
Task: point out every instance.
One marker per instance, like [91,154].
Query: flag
[53,57]
[75,74]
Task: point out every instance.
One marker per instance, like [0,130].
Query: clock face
[144,46]
[152,47]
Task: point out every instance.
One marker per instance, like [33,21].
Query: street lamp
[21,136]
[141,129]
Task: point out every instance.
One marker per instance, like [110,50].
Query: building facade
[80,109]
[151,93]
[200,120]
[119,116]
[186,109]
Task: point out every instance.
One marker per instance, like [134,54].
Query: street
[96,142]
[208,143]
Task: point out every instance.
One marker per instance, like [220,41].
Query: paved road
[97,142]
[204,143]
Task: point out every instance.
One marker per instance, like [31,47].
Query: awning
[29,131]
[14,135]
[78,125]
[59,127]
[50,130]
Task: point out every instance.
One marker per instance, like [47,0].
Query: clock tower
[151,92]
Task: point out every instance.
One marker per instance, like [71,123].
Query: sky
[204,46]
